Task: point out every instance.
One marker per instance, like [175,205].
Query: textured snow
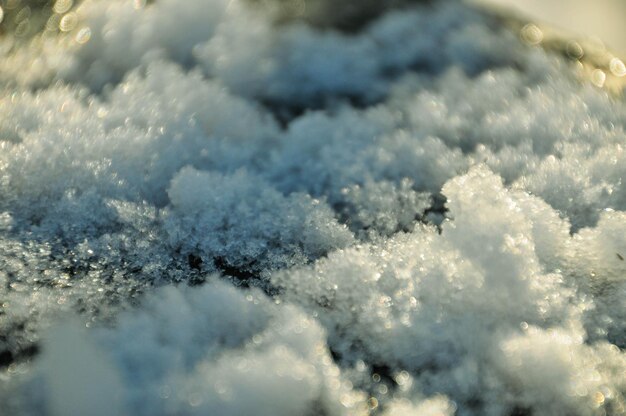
[218,207]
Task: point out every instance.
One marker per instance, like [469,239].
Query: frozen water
[218,207]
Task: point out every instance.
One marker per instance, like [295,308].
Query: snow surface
[208,209]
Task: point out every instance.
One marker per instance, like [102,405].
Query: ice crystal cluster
[216,207]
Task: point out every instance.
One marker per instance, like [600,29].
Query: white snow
[205,209]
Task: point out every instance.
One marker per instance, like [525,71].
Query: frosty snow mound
[216,208]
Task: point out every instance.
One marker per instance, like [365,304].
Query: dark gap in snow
[15,345]
[8,357]
[521,411]
[226,269]
[436,213]
[195,262]
[385,374]
[286,111]
[348,16]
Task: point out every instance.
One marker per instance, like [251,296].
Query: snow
[180,354]
[248,224]
[210,207]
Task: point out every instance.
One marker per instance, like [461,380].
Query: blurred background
[604,19]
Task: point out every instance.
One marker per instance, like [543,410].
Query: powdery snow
[210,207]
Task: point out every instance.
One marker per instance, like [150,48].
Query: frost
[438,305]
[244,207]
[245,224]
[383,208]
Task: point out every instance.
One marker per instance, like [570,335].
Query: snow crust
[208,209]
